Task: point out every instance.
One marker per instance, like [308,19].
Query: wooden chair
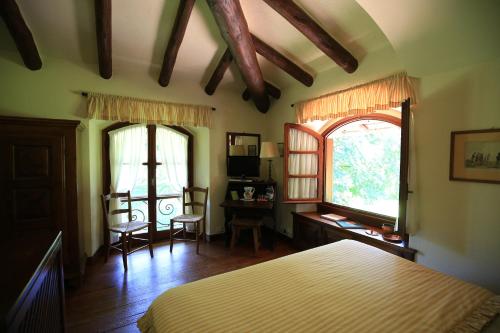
[240,223]
[195,219]
[124,229]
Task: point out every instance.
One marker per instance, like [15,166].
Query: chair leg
[204,230]
[171,235]
[124,250]
[129,241]
[107,247]
[255,239]
[197,231]
[233,237]
[150,244]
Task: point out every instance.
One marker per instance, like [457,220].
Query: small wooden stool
[240,223]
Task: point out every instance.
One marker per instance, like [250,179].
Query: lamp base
[269,178]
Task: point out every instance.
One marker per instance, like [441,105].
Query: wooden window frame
[151,132]
[319,175]
[361,216]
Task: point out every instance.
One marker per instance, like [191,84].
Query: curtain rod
[86,94]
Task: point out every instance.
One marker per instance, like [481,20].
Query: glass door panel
[171,174]
[128,151]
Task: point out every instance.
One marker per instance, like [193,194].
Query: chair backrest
[191,191]
[105,200]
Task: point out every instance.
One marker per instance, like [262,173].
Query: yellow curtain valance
[381,94]
[135,110]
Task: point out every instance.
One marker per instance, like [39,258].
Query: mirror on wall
[242,144]
[242,152]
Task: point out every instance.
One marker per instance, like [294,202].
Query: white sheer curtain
[172,153]
[302,164]
[127,152]
[172,148]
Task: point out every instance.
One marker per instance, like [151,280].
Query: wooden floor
[111,301]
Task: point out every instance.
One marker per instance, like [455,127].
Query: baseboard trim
[99,253]
[215,237]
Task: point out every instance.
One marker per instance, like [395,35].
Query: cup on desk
[387,228]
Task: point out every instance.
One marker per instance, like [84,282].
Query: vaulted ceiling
[141,30]
[66,29]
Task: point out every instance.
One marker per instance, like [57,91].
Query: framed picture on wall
[281,148]
[475,156]
[252,150]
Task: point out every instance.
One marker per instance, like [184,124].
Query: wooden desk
[248,208]
[310,230]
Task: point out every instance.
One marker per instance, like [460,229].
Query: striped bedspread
[342,287]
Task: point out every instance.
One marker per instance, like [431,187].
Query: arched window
[362,160]
[154,162]
[357,167]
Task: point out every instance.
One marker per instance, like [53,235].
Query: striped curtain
[381,94]
[135,110]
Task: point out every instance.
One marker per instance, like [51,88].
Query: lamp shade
[269,150]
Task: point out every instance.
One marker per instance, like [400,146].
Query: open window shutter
[403,168]
[303,161]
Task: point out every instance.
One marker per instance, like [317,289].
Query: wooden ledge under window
[310,230]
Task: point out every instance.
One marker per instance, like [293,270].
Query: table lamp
[269,150]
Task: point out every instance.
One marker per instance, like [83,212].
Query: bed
[341,287]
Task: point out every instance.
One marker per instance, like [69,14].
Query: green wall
[54,92]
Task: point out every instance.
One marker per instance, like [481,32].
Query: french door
[154,162]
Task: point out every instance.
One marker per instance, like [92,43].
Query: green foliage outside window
[366,170]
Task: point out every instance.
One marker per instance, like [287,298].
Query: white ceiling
[66,29]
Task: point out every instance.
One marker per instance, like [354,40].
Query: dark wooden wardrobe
[38,182]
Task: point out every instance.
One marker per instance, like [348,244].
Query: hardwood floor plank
[111,300]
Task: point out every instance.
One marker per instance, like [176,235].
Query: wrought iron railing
[167,207]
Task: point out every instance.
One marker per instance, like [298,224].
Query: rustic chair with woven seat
[193,218]
[124,229]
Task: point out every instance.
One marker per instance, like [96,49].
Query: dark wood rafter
[21,34]
[271,90]
[218,74]
[282,62]
[103,34]
[309,28]
[234,29]
[174,43]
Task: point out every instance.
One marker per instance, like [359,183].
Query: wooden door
[32,188]
[38,182]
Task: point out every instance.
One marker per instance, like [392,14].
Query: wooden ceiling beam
[282,62]
[218,73]
[271,90]
[307,26]
[103,34]
[174,43]
[234,29]
[21,34]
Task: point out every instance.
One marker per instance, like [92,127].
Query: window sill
[371,219]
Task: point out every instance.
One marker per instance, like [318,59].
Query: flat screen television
[243,166]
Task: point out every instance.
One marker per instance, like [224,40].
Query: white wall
[459,221]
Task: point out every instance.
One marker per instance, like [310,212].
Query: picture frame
[281,149]
[475,156]
[252,150]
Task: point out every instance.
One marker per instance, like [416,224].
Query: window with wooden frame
[357,167]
